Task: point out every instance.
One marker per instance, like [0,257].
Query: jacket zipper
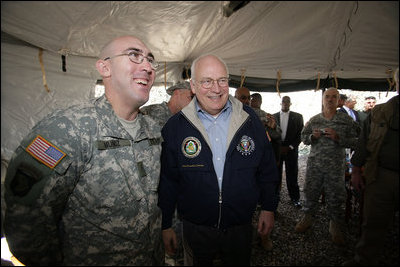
[220,208]
[220,191]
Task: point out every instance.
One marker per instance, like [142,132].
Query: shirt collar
[227,106]
[346,108]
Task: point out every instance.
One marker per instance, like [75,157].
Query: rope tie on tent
[165,75]
[43,72]
[336,82]
[318,81]
[64,53]
[243,76]
[187,72]
[277,82]
[390,80]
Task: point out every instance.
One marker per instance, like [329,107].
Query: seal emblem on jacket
[191,147]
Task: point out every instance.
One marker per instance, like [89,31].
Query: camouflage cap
[179,85]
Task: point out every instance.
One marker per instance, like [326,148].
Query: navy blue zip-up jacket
[188,178]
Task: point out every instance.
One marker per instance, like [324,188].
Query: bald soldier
[328,133]
[81,189]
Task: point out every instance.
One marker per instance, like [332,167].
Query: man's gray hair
[193,67]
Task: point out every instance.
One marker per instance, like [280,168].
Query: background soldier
[328,133]
[181,95]
[376,173]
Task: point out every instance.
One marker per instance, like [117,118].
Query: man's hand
[357,181]
[271,122]
[330,133]
[170,243]
[265,222]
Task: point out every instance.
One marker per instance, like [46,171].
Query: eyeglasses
[138,58]
[208,83]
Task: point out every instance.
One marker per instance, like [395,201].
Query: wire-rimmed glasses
[208,83]
[137,57]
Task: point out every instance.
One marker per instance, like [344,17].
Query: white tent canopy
[298,41]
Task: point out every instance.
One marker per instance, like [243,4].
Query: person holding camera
[328,133]
[271,127]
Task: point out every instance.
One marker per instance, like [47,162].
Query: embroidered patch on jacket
[45,152]
[191,147]
[246,145]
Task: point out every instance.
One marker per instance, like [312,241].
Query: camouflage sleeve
[306,133]
[350,135]
[38,182]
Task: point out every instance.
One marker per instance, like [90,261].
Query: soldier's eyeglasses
[137,57]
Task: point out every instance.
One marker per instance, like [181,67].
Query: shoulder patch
[45,152]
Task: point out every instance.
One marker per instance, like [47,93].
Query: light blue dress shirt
[217,130]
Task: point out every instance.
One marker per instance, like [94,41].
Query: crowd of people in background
[114,183]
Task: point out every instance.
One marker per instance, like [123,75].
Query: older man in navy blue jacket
[216,166]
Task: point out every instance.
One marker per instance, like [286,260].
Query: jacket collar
[238,117]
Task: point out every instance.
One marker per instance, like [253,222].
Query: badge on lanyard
[246,145]
[191,147]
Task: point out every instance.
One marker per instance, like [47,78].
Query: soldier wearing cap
[181,95]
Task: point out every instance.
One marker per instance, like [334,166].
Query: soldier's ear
[103,67]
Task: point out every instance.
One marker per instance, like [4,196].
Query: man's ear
[103,68]
[192,86]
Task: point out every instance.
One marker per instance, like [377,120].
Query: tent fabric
[358,41]
[293,85]
[355,39]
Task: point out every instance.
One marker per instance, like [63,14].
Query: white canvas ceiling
[354,40]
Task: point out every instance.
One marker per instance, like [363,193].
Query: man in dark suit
[291,124]
[369,104]
[348,108]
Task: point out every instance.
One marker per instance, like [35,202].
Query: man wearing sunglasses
[216,166]
[81,189]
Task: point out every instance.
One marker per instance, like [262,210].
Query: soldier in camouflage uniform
[181,95]
[376,175]
[328,133]
[81,189]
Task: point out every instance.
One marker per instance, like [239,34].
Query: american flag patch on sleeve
[45,152]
